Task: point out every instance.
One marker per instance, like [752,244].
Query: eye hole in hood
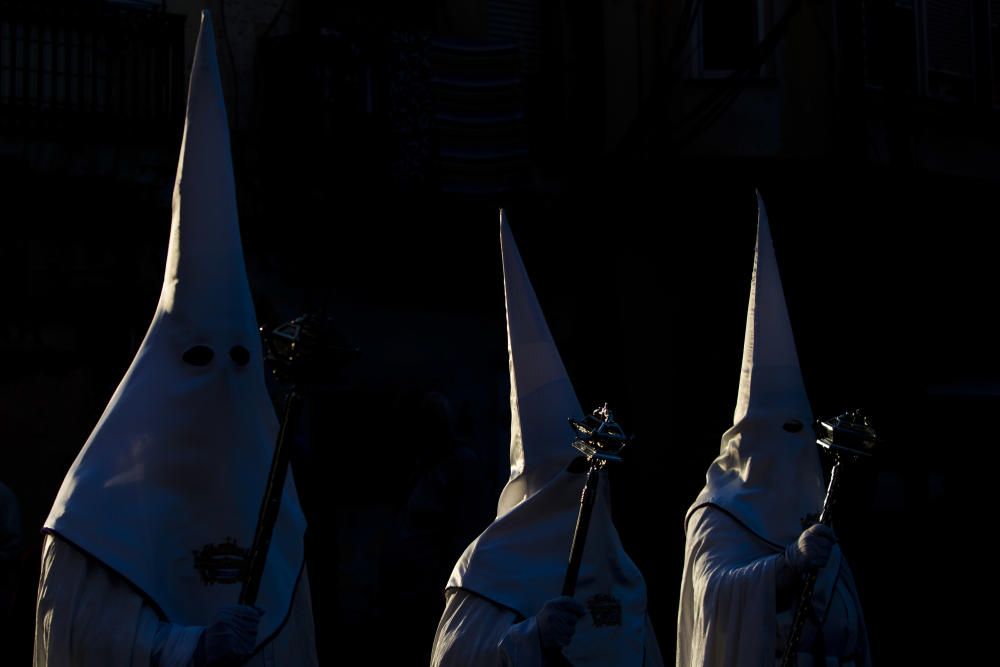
[792,426]
[240,355]
[199,355]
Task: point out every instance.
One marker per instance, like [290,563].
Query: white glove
[811,551]
[556,622]
[230,639]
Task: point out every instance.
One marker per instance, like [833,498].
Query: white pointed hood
[541,395]
[767,473]
[167,489]
[520,560]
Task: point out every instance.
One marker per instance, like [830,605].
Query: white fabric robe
[89,616]
[508,573]
[475,632]
[727,615]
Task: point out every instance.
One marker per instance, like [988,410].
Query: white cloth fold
[728,613]
[89,616]
[475,632]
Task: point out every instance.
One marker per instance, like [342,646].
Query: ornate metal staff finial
[601,439]
[850,438]
[598,435]
[849,434]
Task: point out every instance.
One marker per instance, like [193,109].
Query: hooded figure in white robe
[503,597]
[147,539]
[749,538]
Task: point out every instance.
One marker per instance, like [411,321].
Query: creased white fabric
[88,616]
[728,613]
[475,632]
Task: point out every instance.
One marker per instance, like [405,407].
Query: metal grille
[61,63]
[517,21]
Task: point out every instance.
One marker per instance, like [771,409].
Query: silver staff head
[599,436]
[849,434]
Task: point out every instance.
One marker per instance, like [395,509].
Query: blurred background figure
[11,552]
[446,507]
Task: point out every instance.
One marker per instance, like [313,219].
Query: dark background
[373,144]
